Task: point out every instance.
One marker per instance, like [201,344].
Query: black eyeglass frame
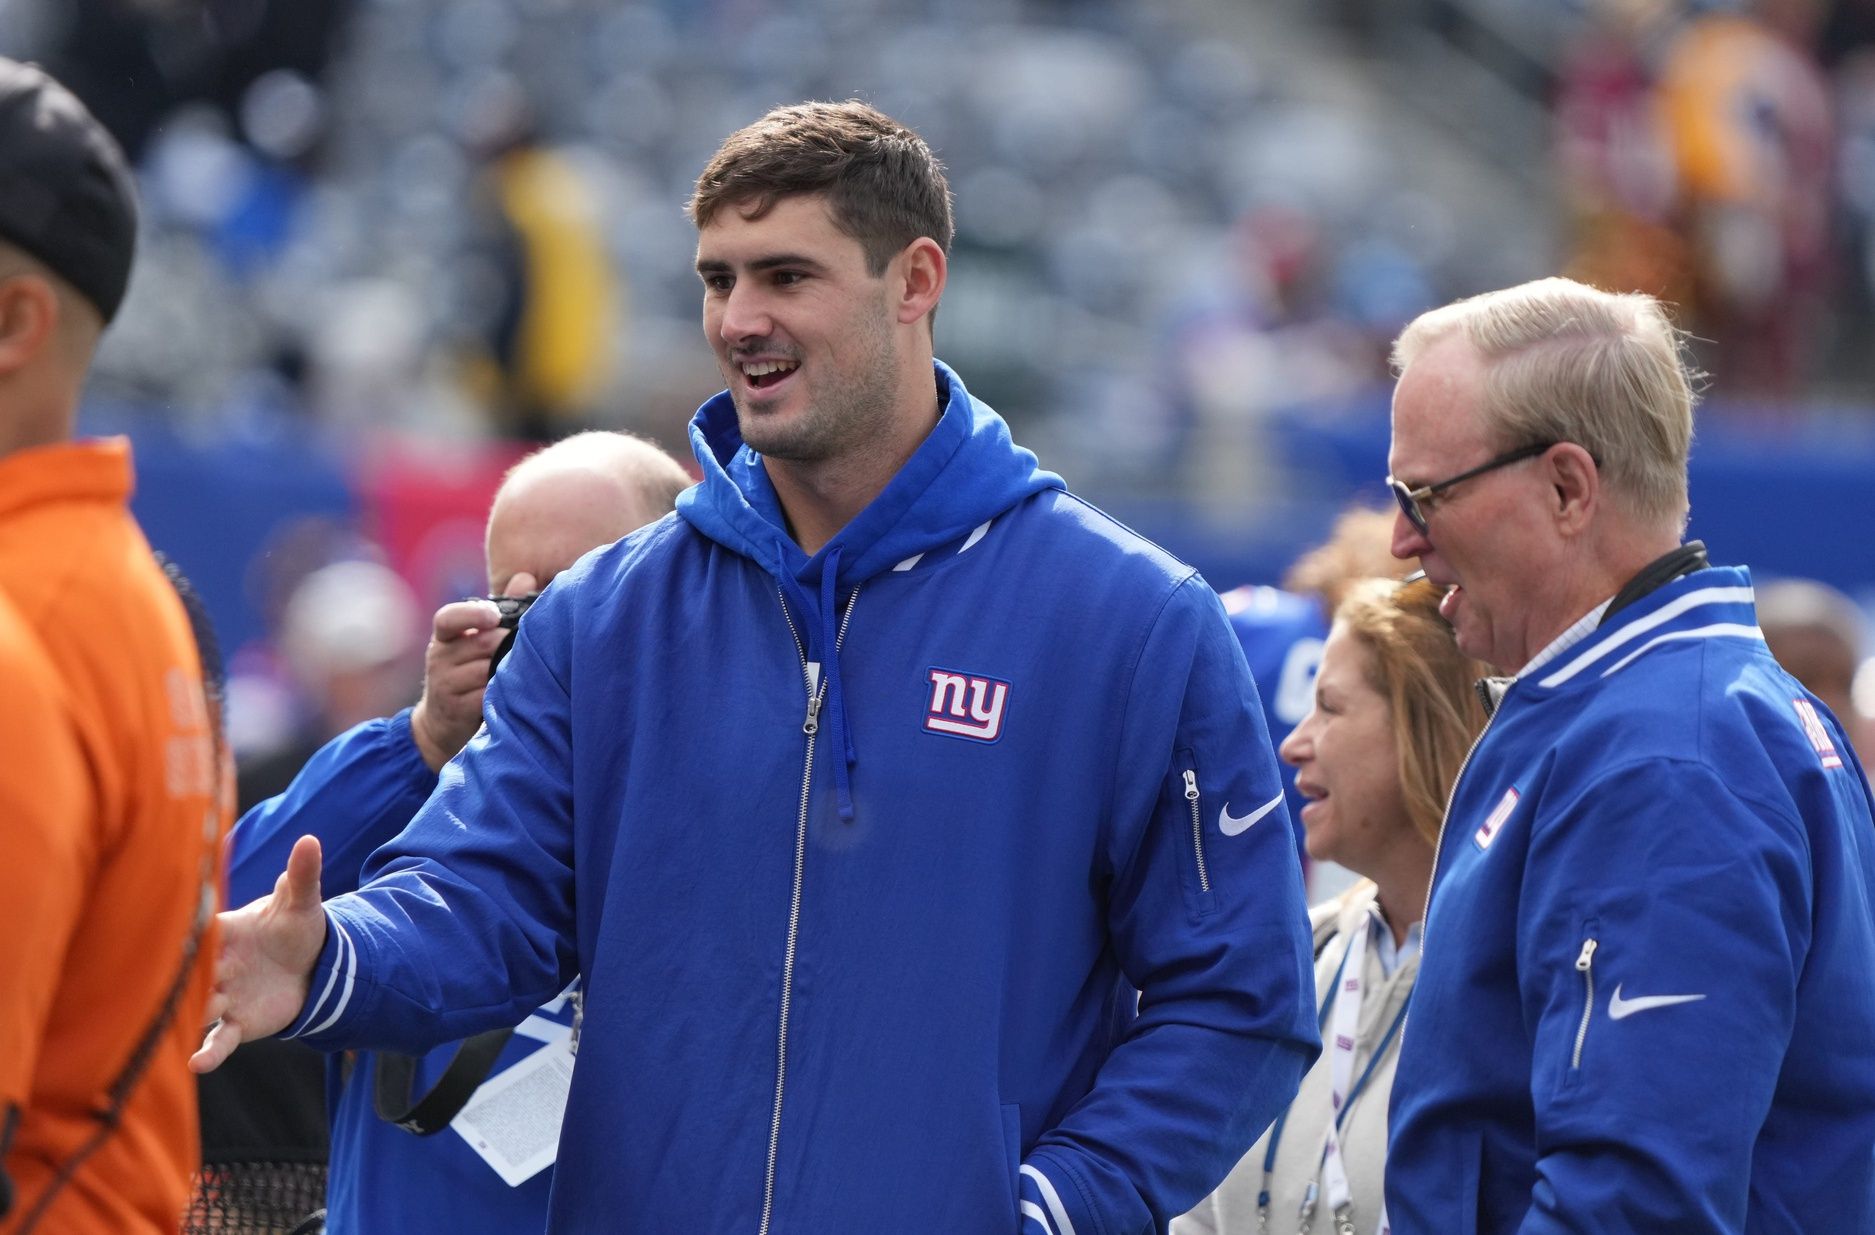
[1409,499]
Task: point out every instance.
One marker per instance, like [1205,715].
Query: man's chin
[752,406]
[1472,638]
[779,435]
[760,418]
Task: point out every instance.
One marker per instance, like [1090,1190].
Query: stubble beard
[844,414]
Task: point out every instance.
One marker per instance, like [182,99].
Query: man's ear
[918,274]
[1575,483]
[29,317]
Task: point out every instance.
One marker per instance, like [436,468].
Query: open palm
[268,949]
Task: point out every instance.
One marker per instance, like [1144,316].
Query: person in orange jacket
[114,790]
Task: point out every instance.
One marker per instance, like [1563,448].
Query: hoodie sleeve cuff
[334,978]
[1050,1201]
[408,758]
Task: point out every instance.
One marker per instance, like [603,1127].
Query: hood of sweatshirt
[967,471]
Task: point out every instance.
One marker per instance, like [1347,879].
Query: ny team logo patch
[1817,732]
[1494,823]
[965,705]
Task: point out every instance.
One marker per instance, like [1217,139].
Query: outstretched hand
[268,949]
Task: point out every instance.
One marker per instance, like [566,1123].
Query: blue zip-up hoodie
[1645,999]
[862,857]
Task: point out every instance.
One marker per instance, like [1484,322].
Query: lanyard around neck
[1355,1091]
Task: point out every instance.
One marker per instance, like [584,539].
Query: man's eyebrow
[798,261]
[779,260]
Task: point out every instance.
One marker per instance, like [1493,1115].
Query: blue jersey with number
[1281,634]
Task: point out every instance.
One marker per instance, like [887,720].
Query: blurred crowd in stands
[461,219]
[1716,153]
[1699,155]
[465,216]
[385,212]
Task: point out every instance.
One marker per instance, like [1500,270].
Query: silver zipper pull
[811,725]
[1588,956]
[1191,786]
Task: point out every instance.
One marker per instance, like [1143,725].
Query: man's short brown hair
[884,185]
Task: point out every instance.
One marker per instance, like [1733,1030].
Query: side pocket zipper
[1585,965]
[1197,830]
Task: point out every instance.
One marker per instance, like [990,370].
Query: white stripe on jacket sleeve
[346,964]
[1063,1225]
[1033,1217]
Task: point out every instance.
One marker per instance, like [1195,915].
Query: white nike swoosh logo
[1231,825]
[1619,1008]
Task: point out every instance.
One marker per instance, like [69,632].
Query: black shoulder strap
[432,1112]
[1658,573]
[9,1124]
[315,1224]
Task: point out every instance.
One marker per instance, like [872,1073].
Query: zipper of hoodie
[1197,828]
[810,725]
[1585,965]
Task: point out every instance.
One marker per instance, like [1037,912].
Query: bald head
[1817,634]
[579,493]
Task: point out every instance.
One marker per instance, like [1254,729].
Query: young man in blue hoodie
[1644,1002]
[912,824]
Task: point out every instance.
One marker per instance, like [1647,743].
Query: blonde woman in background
[1395,712]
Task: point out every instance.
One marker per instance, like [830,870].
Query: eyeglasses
[1409,499]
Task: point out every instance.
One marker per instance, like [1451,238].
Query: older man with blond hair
[1644,1001]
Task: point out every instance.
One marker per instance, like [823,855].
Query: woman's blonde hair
[1427,682]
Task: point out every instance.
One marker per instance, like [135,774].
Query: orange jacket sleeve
[45,813]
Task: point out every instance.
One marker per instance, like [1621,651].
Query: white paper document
[513,1120]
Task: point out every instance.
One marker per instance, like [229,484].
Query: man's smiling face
[1487,540]
[803,333]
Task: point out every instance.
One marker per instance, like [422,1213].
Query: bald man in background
[577,494]
[1818,635]
[363,787]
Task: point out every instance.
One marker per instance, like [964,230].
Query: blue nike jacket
[355,794]
[863,858]
[1645,999]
